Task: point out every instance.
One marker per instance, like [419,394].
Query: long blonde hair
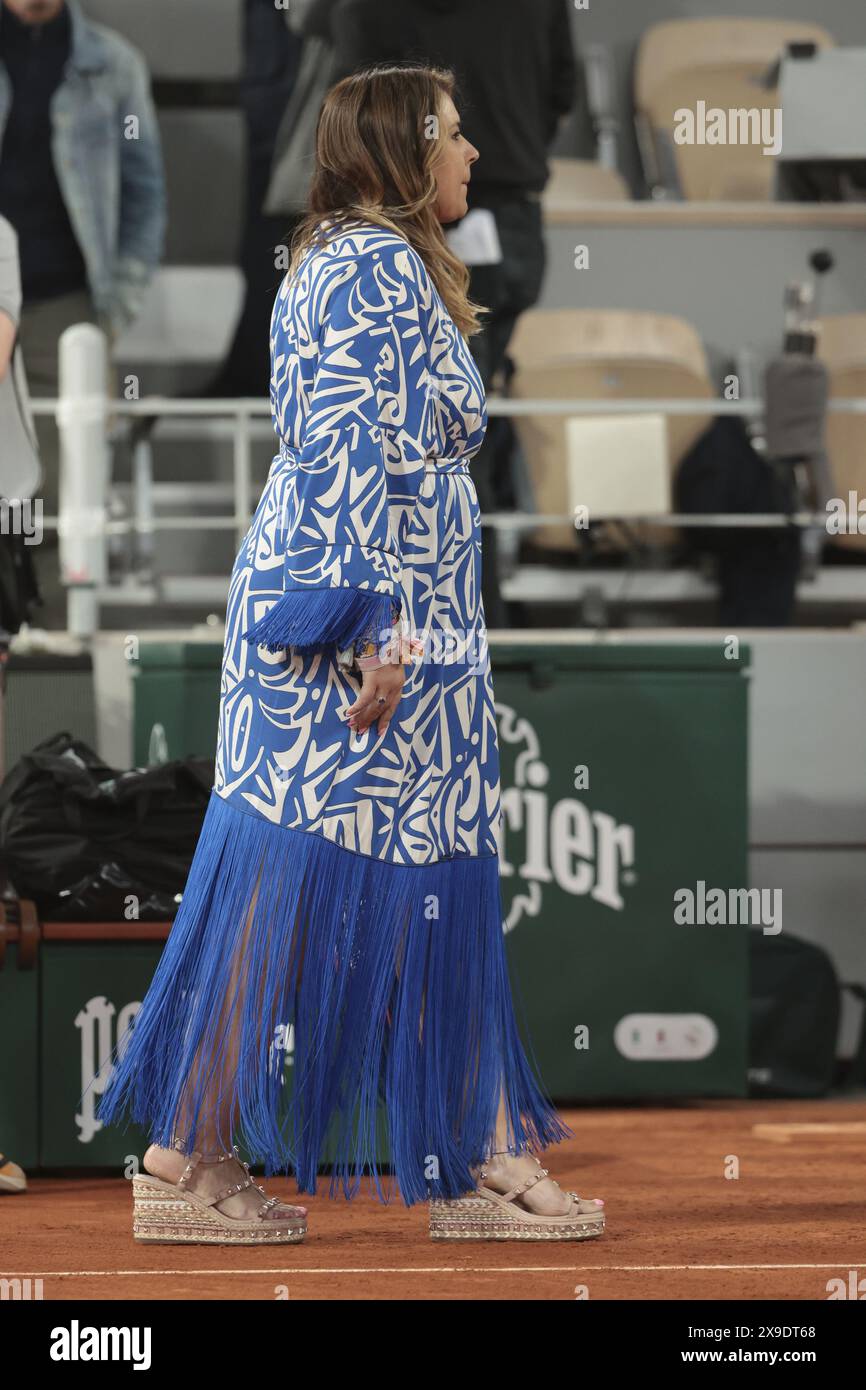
[378,137]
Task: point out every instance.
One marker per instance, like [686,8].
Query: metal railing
[86,415]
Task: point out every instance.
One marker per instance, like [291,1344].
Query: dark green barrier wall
[176,700]
[624,779]
[90,990]
[19,1083]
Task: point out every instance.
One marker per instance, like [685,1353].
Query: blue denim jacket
[112,184]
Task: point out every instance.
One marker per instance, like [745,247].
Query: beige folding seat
[719,62]
[574,182]
[842,345]
[604,355]
[842,339]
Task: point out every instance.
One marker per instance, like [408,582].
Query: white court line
[413,1269]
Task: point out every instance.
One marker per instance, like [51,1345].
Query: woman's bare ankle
[165,1163]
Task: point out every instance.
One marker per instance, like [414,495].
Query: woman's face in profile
[453,165]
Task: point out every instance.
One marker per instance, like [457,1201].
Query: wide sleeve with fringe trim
[368,430]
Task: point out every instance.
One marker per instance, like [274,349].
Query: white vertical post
[142,476]
[82,411]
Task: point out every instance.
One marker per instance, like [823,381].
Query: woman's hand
[382,681]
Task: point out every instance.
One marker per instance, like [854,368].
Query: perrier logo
[545,841]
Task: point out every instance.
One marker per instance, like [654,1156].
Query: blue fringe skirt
[386,983]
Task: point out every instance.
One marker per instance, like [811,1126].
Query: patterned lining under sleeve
[364,441]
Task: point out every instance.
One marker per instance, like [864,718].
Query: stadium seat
[603,354]
[721,62]
[842,345]
[574,182]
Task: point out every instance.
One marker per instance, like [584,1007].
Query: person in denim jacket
[81,182]
[100,127]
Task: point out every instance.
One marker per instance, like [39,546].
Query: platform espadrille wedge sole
[488,1215]
[162,1214]
[169,1213]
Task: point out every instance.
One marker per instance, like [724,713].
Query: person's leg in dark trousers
[506,289]
[271,57]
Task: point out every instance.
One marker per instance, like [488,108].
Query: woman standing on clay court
[343,906]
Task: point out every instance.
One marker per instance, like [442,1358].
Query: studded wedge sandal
[488,1215]
[167,1212]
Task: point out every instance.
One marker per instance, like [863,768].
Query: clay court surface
[677,1227]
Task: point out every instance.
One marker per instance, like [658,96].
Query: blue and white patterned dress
[338,954]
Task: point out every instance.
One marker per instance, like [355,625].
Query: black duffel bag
[87,842]
[795,1011]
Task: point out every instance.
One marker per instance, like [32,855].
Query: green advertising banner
[91,990]
[623,784]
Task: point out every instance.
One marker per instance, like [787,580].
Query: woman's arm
[366,434]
